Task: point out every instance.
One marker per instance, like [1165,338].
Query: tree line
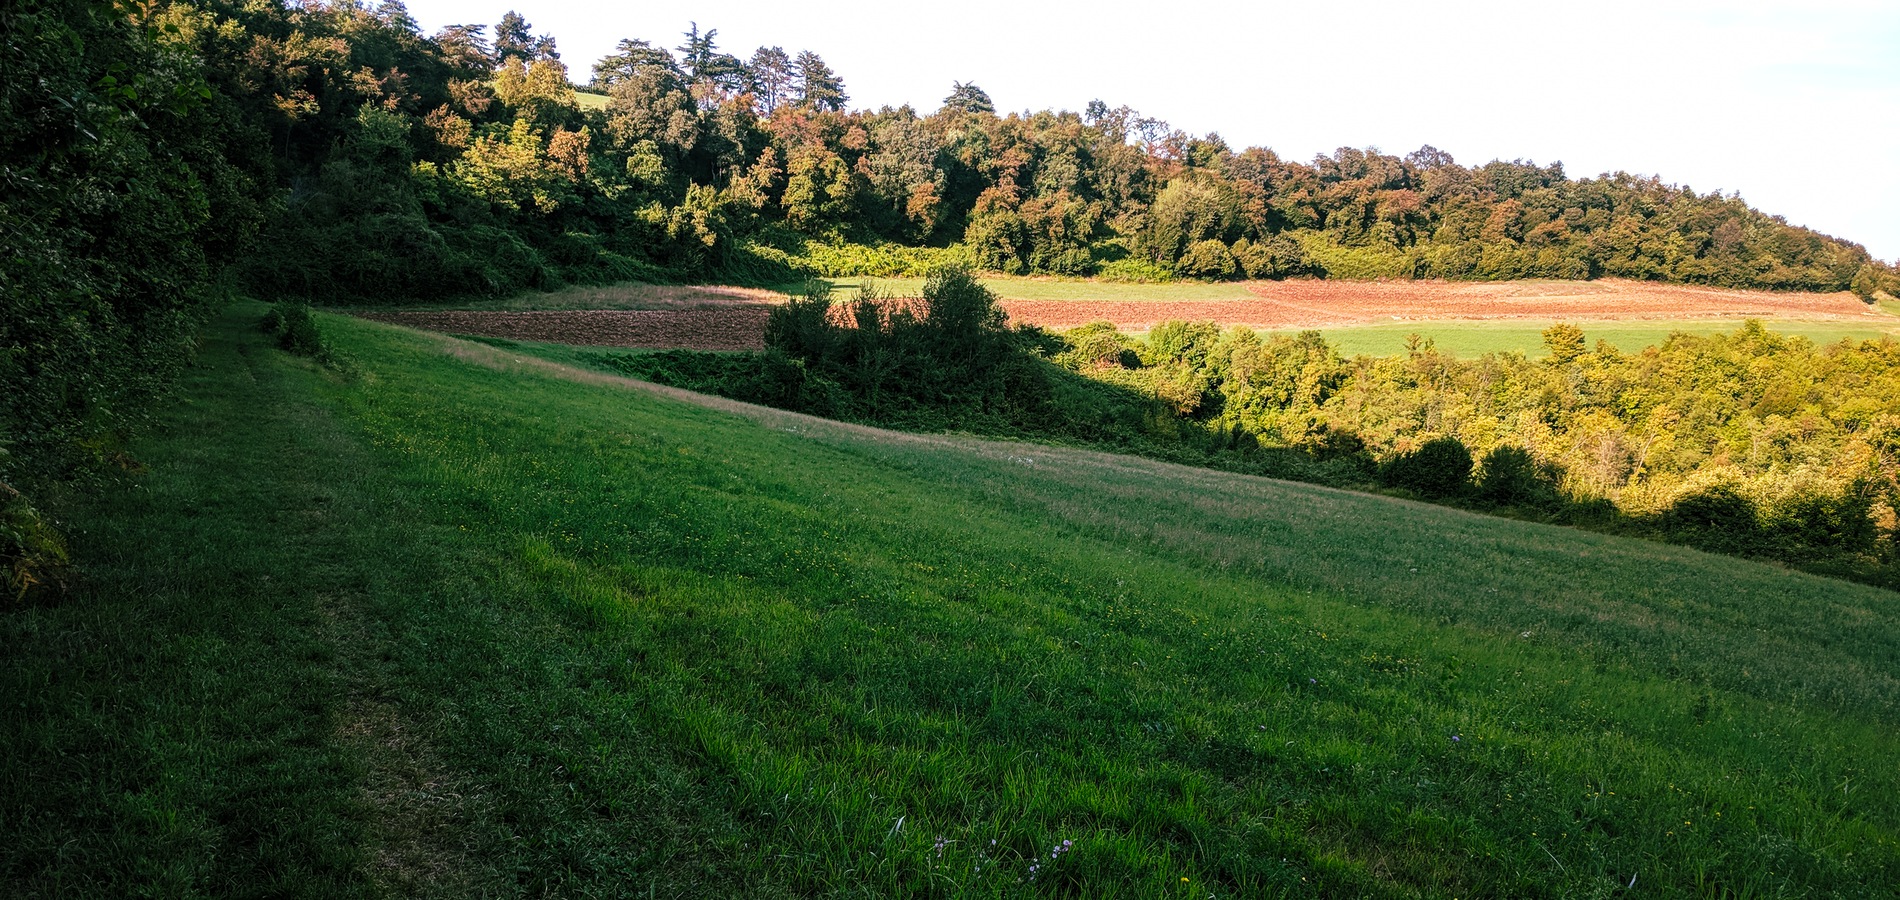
[435,166]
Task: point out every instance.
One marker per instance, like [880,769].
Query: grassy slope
[473,628]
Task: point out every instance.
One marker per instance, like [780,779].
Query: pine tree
[632,58]
[818,86]
[698,51]
[769,77]
[968,98]
[513,39]
[711,73]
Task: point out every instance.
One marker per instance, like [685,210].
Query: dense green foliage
[1750,442]
[478,172]
[31,550]
[118,203]
[422,167]
[296,330]
[949,350]
[945,360]
[449,630]
[1439,468]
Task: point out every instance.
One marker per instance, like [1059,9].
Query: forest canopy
[475,161]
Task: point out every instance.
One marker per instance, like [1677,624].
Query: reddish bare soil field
[1317,304]
[733,327]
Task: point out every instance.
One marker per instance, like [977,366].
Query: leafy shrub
[769,379]
[1209,259]
[801,327]
[1192,344]
[1717,519]
[848,260]
[1075,261]
[753,263]
[1441,467]
[1097,345]
[1278,256]
[1359,263]
[948,354]
[1839,522]
[123,198]
[1134,270]
[1511,476]
[1563,342]
[1866,283]
[295,330]
[1326,442]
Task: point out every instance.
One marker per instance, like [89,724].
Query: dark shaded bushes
[947,358]
[1511,476]
[121,202]
[768,379]
[1716,519]
[1439,468]
[1721,520]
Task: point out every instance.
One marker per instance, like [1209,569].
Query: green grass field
[464,623]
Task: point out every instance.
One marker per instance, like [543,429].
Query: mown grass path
[174,728]
[469,624]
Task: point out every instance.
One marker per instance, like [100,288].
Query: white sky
[1794,105]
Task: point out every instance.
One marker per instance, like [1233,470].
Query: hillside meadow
[439,619]
[328,608]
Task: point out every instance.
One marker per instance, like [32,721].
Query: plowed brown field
[720,319]
[1319,304]
[733,327]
